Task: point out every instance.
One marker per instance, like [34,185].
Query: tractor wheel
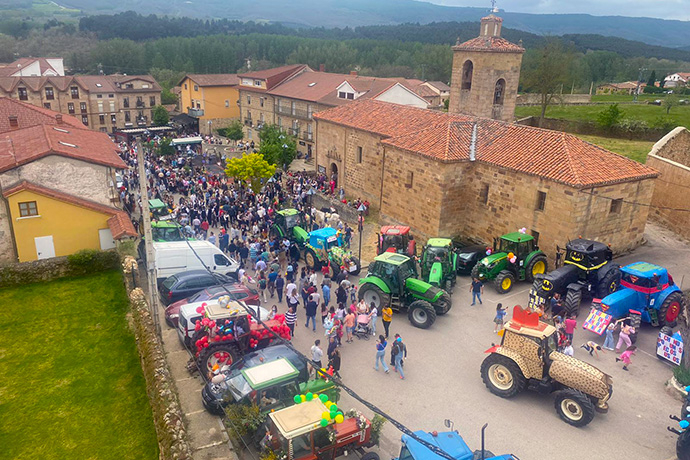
[574,407]
[443,304]
[370,456]
[537,266]
[333,270]
[310,259]
[221,353]
[274,233]
[358,263]
[502,376]
[504,282]
[475,271]
[683,446]
[571,305]
[608,284]
[449,287]
[372,294]
[421,314]
[670,309]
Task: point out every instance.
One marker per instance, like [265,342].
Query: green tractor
[392,280]
[325,247]
[439,263]
[289,223]
[163,228]
[515,257]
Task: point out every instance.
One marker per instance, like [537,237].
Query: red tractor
[396,238]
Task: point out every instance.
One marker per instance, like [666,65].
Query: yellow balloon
[339,418]
[326,415]
[328,404]
[303,397]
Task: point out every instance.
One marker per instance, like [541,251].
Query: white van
[188,316]
[173,257]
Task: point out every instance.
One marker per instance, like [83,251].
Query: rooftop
[392,258]
[491,44]
[220,79]
[108,83]
[30,115]
[276,75]
[553,155]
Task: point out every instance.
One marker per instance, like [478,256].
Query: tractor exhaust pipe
[483,430]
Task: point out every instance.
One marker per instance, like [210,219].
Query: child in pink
[625,356]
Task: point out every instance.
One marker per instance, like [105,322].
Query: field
[636,150]
[70,381]
[651,114]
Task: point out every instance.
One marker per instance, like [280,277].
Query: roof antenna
[473,143]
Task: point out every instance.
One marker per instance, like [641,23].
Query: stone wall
[254,107]
[671,157]
[347,213]
[564,99]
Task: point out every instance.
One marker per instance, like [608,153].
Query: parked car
[189,316]
[184,284]
[468,256]
[176,256]
[238,291]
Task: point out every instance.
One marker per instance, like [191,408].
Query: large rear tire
[372,293]
[608,284]
[670,309]
[537,266]
[421,314]
[475,271]
[502,376]
[217,353]
[574,407]
[504,282]
[370,456]
[358,263]
[571,305]
[443,304]
[683,446]
[310,259]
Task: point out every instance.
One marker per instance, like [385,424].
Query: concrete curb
[675,389]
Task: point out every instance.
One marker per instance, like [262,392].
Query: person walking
[400,351]
[570,324]
[263,282]
[609,341]
[625,356]
[272,277]
[373,316]
[290,320]
[500,317]
[280,284]
[334,363]
[349,325]
[624,336]
[326,291]
[386,318]
[310,309]
[316,355]
[477,289]
[380,353]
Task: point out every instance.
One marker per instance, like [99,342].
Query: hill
[336,13]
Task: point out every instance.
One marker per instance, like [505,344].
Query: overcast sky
[667,9]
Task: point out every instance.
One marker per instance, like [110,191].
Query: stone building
[448,174]
[101,102]
[57,180]
[486,73]
[671,157]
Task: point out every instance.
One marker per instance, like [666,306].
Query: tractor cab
[394,270]
[325,239]
[166,231]
[448,441]
[301,432]
[289,223]
[521,245]
[159,210]
[439,263]
[586,254]
[396,239]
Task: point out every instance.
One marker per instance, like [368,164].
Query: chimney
[14,122]
[353,73]
[473,143]
[58,118]
[322,67]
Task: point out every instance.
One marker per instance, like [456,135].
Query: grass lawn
[71,386]
[679,116]
[636,150]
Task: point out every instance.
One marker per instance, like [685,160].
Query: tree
[546,70]
[652,78]
[610,116]
[160,116]
[168,97]
[251,168]
[670,101]
[233,132]
[277,146]
[165,147]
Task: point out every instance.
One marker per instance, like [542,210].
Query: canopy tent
[186,140]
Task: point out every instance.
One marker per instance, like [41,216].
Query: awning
[186,140]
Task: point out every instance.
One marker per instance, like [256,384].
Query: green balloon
[334,408]
[323,398]
[297,399]
[310,396]
[323,422]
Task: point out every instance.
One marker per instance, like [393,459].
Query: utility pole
[360,227]
[637,88]
[148,235]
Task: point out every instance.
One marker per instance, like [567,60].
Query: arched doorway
[334,174]
[467,70]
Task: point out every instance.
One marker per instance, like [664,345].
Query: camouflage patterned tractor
[528,358]
[587,271]
[326,248]
[514,257]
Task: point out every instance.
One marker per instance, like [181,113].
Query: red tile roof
[109,83]
[276,75]
[30,115]
[220,79]
[552,155]
[491,44]
[120,224]
[25,145]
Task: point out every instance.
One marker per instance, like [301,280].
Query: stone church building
[472,172]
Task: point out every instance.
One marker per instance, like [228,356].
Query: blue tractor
[449,442]
[648,289]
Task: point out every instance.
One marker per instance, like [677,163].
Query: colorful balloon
[323,398]
[297,399]
[303,398]
[339,418]
[323,422]
[325,415]
[310,396]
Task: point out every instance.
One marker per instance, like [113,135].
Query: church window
[359,154]
[499,91]
[467,69]
[541,201]
[484,194]
[410,179]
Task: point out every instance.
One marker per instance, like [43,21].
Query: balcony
[293,132]
[140,104]
[142,121]
[297,113]
[196,113]
[307,136]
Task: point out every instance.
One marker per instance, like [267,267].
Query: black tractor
[587,271]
